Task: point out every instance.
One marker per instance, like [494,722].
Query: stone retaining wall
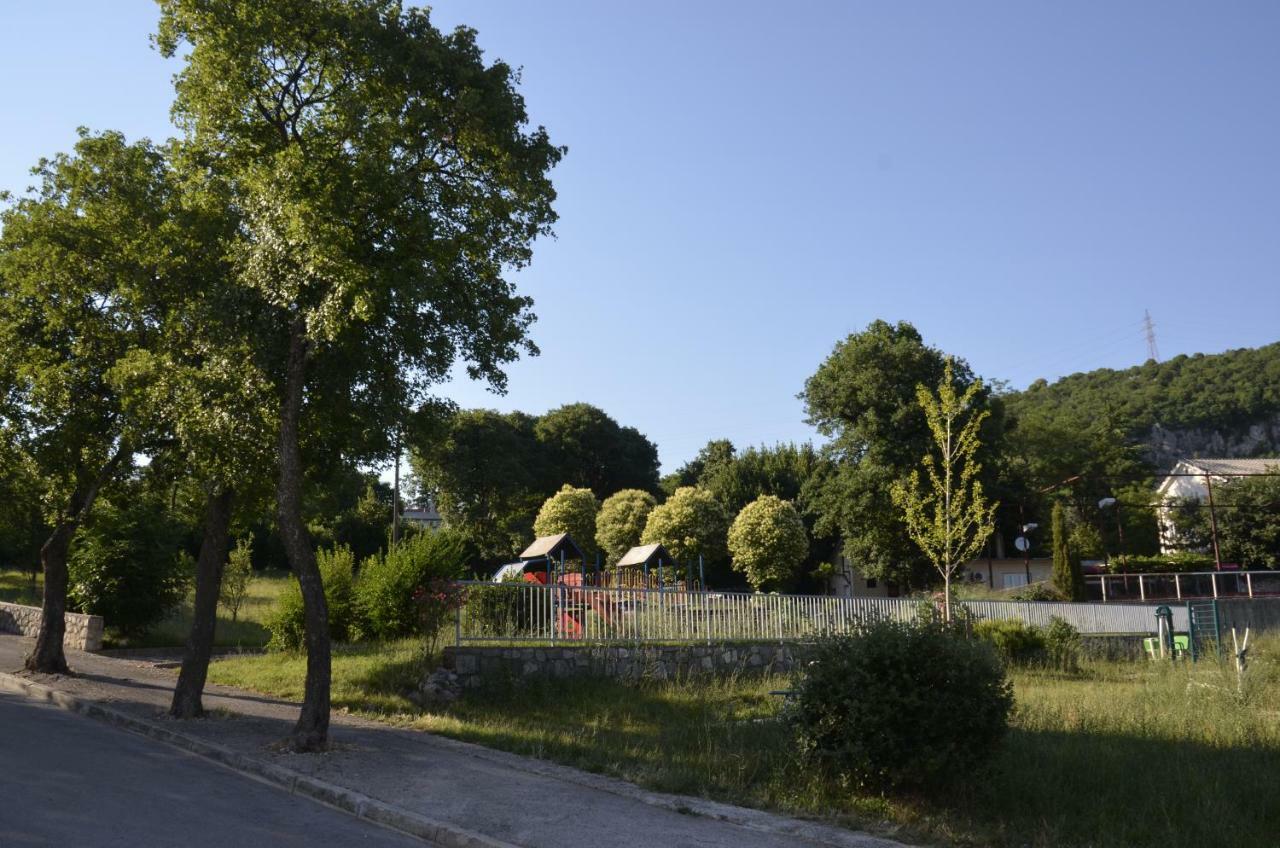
[83,632]
[632,662]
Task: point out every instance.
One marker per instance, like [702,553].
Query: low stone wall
[631,662]
[83,632]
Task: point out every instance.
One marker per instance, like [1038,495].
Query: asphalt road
[70,781]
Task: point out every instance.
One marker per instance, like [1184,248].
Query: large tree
[587,447]
[87,261]
[863,397]
[388,181]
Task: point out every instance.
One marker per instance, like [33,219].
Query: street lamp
[1023,543]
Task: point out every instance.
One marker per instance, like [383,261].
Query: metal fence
[1175,587]
[532,612]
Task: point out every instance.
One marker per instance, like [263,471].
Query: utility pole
[1153,352]
[395,495]
[1213,524]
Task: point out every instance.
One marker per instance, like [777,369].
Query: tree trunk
[311,733]
[48,656]
[188,693]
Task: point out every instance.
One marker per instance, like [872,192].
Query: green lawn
[248,630]
[1122,755]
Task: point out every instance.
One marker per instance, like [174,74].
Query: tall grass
[1141,754]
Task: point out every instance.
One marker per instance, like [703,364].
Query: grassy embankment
[1120,755]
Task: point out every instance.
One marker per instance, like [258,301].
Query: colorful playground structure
[559,561]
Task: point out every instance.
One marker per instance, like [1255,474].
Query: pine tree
[1068,576]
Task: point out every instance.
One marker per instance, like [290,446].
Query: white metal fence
[1189,585]
[531,612]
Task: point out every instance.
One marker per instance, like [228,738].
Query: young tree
[621,521]
[691,523]
[388,180]
[1068,577]
[80,260]
[237,574]
[571,511]
[949,519]
[767,541]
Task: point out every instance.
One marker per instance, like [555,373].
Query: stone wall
[631,662]
[83,632]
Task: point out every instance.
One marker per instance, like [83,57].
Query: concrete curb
[348,801]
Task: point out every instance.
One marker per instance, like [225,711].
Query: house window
[1012,581]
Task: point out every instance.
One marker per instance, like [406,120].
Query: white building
[1193,479]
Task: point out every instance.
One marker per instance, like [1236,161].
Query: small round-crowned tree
[571,511]
[621,520]
[767,541]
[690,524]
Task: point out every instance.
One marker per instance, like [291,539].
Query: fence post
[1177,586]
[1248,582]
[1142,592]
[457,625]
[1213,579]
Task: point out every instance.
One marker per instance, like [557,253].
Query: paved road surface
[69,781]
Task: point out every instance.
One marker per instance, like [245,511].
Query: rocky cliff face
[1164,446]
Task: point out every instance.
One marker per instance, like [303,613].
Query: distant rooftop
[1229,467]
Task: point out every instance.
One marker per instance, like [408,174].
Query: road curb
[347,800]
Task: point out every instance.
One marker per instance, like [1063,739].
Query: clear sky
[747,183]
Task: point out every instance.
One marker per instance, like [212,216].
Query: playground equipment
[558,562]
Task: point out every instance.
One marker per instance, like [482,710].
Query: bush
[900,706]
[1038,592]
[621,520]
[1062,642]
[500,609]
[384,591]
[286,621]
[1016,642]
[571,511]
[126,566]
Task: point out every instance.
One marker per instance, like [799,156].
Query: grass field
[1121,755]
[248,630]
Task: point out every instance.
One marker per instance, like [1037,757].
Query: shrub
[690,524]
[768,541]
[900,706]
[436,603]
[236,575]
[1016,642]
[1038,592]
[1062,642]
[286,621]
[384,591]
[499,609]
[126,566]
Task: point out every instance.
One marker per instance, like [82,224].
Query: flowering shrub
[436,604]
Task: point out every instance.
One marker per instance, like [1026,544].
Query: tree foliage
[863,397]
[767,541]
[1068,577]
[949,518]
[691,523]
[573,511]
[621,520]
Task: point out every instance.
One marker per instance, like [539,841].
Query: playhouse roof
[552,546]
[642,554]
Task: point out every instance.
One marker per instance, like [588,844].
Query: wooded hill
[1225,404]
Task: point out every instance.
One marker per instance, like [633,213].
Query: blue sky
[747,183]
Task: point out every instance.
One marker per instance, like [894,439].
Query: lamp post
[1025,545]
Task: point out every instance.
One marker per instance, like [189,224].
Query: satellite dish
[1022,544]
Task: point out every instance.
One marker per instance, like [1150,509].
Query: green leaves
[948,517]
[690,524]
[621,521]
[571,511]
[768,541]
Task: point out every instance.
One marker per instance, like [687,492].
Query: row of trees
[765,542]
[273,295]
